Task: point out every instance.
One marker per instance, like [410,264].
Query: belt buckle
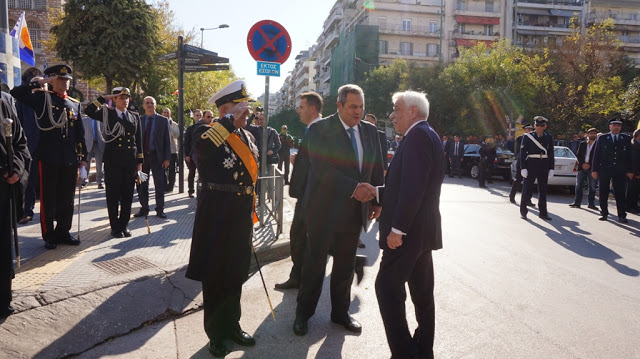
[248,190]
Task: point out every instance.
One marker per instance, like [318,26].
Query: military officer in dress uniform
[122,155]
[221,246]
[536,162]
[612,162]
[527,128]
[62,150]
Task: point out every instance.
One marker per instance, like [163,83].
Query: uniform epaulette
[73,99]
[217,134]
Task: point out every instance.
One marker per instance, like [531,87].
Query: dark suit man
[383,139]
[456,155]
[584,153]
[612,162]
[95,147]
[410,228]
[188,147]
[309,112]
[157,154]
[345,161]
[122,157]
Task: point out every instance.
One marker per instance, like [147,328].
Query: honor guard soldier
[536,162]
[223,225]
[62,150]
[612,162]
[122,155]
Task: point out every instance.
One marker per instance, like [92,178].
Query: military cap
[592,130]
[616,120]
[234,92]
[527,126]
[540,120]
[60,71]
[121,91]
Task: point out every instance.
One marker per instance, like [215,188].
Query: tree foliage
[113,39]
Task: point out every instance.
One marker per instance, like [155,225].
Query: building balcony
[630,40]
[423,8]
[618,17]
[553,3]
[331,40]
[543,28]
[333,19]
[484,9]
[416,56]
[301,81]
[476,35]
[399,29]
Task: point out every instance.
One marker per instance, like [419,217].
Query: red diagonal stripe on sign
[270,42]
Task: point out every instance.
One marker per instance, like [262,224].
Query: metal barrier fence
[272,191]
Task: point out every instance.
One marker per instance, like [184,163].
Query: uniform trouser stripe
[43,223]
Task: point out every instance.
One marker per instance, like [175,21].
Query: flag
[21,33]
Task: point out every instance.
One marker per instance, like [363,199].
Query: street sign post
[269,43]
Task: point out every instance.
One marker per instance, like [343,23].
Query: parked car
[565,168]
[501,165]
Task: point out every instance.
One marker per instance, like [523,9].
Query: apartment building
[626,18]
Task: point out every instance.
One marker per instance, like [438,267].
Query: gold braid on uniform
[118,129]
[217,134]
[62,120]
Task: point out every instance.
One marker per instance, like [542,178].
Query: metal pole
[181,114]
[263,159]
[441,30]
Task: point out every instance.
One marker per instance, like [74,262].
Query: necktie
[354,144]
[147,136]
[615,139]
[456,153]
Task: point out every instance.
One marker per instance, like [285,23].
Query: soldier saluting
[536,162]
[61,147]
[122,155]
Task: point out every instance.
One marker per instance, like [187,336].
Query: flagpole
[4,16]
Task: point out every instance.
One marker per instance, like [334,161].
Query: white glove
[142,176]
[83,173]
[524,173]
[550,173]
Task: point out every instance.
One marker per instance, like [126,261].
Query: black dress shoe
[289,284]
[191,195]
[117,234]
[545,217]
[574,205]
[50,244]
[161,215]
[349,324]
[217,348]
[126,232]
[7,311]
[523,216]
[603,218]
[592,206]
[25,220]
[141,213]
[512,200]
[623,220]
[241,337]
[100,186]
[300,326]
[68,239]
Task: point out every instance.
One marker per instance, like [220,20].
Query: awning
[532,32]
[478,20]
[566,13]
[543,12]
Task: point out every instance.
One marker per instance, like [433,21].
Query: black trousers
[57,189]
[456,166]
[120,180]
[159,181]
[192,176]
[221,310]
[171,171]
[6,255]
[298,242]
[537,169]
[285,158]
[632,194]
[619,191]
[398,267]
[343,245]
[482,167]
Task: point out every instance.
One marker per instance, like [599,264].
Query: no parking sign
[269,41]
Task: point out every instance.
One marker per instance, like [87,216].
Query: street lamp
[202,29]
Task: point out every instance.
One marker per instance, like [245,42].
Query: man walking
[284,153]
[309,112]
[157,154]
[536,160]
[345,162]
[410,228]
[585,157]
[612,163]
[456,156]
[188,146]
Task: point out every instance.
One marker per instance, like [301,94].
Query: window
[488,5]
[35,34]
[488,30]
[433,27]
[383,47]
[432,50]
[28,4]
[406,25]
[406,48]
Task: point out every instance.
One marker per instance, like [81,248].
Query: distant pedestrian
[585,158]
[93,137]
[456,156]
[574,143]
[174,134]
[536,161]
[188,147]
[284,153]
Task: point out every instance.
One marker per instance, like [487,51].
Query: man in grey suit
[410,228]
[95,148]
[345,161]
[157,154]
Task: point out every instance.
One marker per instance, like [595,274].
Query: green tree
[113,39]
[380,84]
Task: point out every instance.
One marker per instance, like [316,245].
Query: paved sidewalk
[69,299]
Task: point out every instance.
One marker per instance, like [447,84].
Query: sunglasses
[539,125]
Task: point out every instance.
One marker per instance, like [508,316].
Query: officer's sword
[8,135]
[261,276]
